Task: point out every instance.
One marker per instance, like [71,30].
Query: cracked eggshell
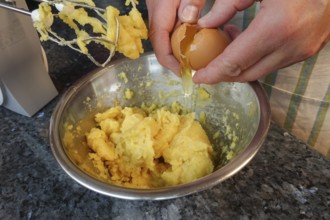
[176,39]
[203,45]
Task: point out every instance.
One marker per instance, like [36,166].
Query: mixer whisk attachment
[106,27]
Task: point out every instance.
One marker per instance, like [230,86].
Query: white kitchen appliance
[25,85]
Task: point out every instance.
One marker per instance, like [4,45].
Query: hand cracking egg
[195,47]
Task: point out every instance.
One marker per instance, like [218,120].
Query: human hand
[282,33]
[162,21]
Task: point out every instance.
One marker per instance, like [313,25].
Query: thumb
[190,10]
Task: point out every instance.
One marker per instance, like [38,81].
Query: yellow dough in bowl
[133,148]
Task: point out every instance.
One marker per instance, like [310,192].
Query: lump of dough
[135,148]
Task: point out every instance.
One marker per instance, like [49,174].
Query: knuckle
[308,52]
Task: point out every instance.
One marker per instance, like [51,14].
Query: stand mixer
[25,85]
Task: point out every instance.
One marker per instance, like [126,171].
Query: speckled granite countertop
[286,179]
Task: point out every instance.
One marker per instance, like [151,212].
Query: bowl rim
[201,184]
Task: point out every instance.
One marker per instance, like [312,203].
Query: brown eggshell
[197,47]
[177,36]
[207,45]
[181,40]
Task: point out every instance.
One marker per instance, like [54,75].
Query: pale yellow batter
[144,150]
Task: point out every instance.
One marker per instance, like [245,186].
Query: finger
[232,31]
[163,14]
[245,50]
[222,11]
[160,30]
[270,63]
[190,10]
[163,51]
[264,66]
[150,6]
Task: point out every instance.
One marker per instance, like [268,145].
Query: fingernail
[190,14]
[231,69]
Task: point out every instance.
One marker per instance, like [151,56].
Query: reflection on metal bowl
[238,113]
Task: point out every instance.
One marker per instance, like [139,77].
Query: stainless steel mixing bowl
[238,113]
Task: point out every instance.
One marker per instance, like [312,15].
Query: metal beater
[73,44]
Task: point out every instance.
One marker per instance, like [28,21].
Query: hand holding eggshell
[277,37]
